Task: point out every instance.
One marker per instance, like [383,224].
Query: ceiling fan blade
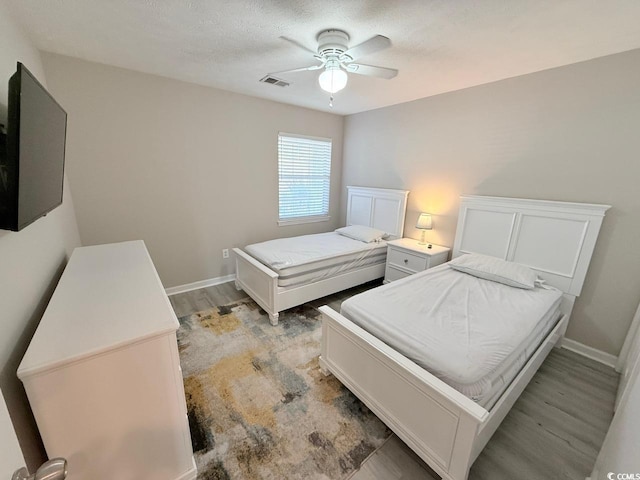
[301,69]
[371,70]
[374,44]
[299,45]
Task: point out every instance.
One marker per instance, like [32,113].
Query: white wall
[189,169]
[569,133]
[32,260]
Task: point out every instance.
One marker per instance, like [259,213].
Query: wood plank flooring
[205,298]
[554,431]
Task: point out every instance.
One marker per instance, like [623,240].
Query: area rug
[258,405]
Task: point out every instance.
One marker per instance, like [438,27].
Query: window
[304,171]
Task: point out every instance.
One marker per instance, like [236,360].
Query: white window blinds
[304,171]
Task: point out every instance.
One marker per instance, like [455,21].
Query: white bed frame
[444,427]
[379,208]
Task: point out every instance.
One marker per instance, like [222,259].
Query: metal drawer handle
[406,260]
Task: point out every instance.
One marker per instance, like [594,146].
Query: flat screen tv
[32,163]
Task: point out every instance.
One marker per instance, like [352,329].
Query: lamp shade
[424,222]
[333,79]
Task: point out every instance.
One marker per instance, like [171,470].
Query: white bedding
[307,258]
[473,334]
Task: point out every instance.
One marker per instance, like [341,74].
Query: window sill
[301,220]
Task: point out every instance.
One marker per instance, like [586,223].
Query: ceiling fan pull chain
[331,101]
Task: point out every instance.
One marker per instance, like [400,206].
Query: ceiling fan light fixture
[336,60]
[333,79]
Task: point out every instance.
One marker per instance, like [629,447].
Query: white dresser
[102,372]
[405,256]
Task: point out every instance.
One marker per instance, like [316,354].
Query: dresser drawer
[392,274]
[404,259]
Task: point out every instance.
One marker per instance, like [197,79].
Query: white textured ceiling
[438,45]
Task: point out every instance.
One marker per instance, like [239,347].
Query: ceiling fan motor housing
[332,43]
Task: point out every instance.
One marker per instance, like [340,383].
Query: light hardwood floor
[554,431]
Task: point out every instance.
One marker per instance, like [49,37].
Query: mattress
[473,334]
[309,258]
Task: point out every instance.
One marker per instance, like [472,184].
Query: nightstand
[406,257]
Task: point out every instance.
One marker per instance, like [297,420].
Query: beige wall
[32,260]
[189,169]
[569,133]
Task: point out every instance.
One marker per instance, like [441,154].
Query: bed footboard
[435,420]
[258,281]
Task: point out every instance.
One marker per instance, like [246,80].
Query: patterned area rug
[259,407]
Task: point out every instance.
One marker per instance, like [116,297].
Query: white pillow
[495,269]
[362,233]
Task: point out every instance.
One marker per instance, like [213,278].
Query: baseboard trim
[201,284]
[590,352]
[192,473]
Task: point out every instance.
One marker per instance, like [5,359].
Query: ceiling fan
[336,59]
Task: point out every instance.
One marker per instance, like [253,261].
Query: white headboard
[380,208]
[554,238]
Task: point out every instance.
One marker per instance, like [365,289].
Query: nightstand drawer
[392,274]
[401,258]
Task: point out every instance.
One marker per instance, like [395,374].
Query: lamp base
[422,242]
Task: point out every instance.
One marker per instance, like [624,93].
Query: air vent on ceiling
[274,81]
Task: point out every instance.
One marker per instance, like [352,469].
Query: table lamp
[424,223]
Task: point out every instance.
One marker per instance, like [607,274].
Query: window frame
[309,218]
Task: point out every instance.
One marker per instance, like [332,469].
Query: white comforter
[288,252]
[458,327]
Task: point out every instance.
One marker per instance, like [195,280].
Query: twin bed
[441,356]
[445,427]
[288,272]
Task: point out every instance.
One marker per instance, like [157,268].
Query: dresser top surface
[414,246]
[109,296]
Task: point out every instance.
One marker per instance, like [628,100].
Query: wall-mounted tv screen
[32,165]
